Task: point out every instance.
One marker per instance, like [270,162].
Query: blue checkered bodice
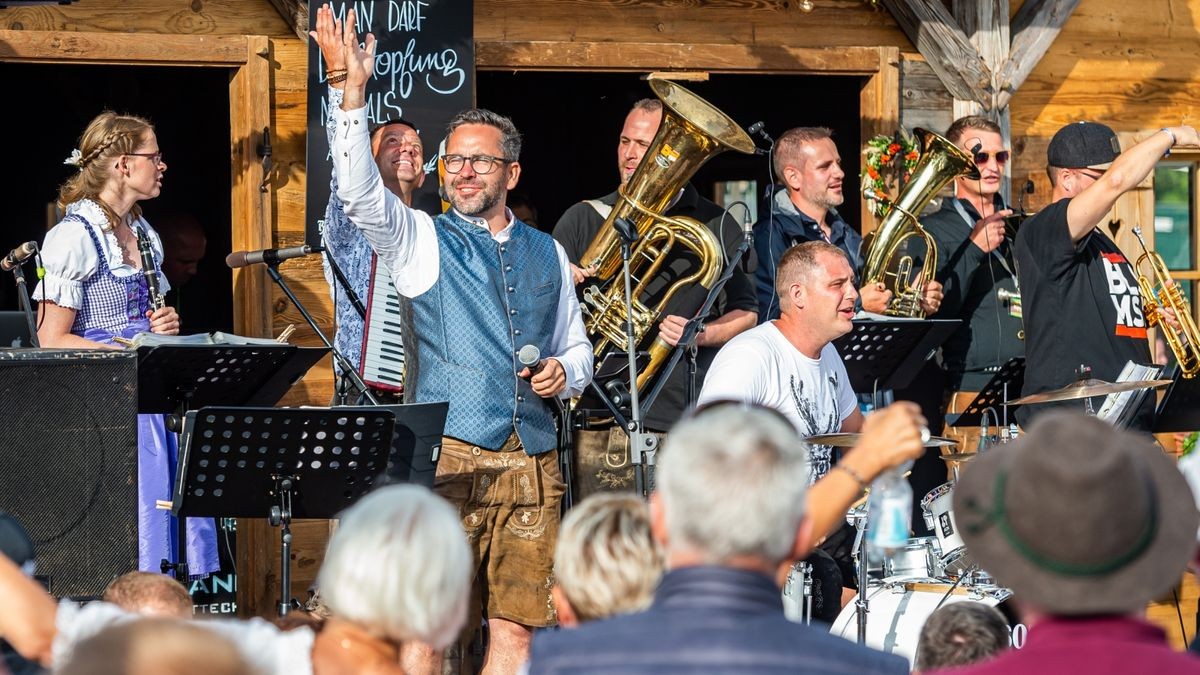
[490,299]
[110,303]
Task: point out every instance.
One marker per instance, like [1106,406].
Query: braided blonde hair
[106,137]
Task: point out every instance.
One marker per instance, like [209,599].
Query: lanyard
[996,251]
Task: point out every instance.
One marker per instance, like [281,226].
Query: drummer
[791,365]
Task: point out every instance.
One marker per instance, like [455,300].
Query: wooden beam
[985,22]
[121,48]
[1034,29]
[295,13]
[879,111]
[611,56]
[939,39]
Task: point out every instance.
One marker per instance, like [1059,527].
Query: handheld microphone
[530,357]
[18,255]
[270,256]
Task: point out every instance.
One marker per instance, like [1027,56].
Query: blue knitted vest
[490,299]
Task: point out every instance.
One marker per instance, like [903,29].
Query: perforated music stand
[887,354]
[416,441]
[279,463]
[173,379]
[1179,409]
[1005,385]
[176,378]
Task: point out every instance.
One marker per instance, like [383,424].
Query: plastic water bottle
[890,513]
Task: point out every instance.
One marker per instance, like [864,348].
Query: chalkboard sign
[424,72]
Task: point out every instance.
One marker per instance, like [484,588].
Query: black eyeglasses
[480,164]
[981,158]
[154,157]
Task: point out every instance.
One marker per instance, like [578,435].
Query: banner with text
[424,73]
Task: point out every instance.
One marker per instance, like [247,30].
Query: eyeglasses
[480,164]
[981,158]
[154,157]
[1089,174]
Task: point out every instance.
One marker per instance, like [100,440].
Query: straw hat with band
[1077,517]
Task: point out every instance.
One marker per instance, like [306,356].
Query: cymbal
[958,456]
[1086,389]
[850,440]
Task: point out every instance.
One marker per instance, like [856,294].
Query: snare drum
[899,608]
[938,508]
[919,559]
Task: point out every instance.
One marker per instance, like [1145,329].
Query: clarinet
[157,301]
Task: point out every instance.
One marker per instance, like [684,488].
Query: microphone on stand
[18,255]
[270,256]
[756,129]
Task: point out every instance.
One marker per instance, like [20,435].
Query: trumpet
[1163,292]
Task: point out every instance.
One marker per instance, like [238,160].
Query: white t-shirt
[761,366]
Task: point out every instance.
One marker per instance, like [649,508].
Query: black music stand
[1179,410]
[416,441]
[887,354]
[279,463]
[1005,385]
[173,379]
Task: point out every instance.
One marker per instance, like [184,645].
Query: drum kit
[903,588]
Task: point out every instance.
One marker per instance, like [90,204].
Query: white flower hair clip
[75,158]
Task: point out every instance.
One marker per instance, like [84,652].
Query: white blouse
[70,256]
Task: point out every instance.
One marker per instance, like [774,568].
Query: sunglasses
[981,158]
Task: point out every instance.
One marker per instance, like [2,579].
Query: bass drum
[898,609]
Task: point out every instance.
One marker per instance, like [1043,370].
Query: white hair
[399,566]
[606,561]
[733,480]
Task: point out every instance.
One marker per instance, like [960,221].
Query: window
[1175,224]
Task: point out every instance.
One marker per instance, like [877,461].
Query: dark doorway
[189,108]
[571,122]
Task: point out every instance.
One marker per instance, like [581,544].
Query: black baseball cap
[1083,145]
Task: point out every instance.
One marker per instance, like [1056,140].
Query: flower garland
[889,163]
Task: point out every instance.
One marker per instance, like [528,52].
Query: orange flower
[894,148]
[885,159]
[912,156]
[872,172]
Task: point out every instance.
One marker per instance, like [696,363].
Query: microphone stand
[26,307]
[642,446]
[347,369]
[345,284]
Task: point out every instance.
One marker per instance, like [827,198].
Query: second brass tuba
[691,133]
[886,260]
[1160,292]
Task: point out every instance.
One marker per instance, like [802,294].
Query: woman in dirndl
[94,290]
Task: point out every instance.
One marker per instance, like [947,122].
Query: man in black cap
[1080,294]
[1086,524]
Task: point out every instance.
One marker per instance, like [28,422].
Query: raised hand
[359,63]
[328,36]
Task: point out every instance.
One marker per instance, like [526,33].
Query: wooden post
[879,110]
[985,22]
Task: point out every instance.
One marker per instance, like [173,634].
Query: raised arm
[28,619]
[1130,168]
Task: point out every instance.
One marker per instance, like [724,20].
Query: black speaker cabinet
[68,444]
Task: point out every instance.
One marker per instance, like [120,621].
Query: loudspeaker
[68,446]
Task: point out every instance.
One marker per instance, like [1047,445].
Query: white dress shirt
[406,239]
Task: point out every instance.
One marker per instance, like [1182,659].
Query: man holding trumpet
[1083,305]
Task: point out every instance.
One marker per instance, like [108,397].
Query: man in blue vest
[481,285]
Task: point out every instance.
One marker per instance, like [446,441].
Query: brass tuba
[691,133]
[1164,292]
[941,162]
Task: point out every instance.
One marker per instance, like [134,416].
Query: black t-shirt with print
[1082,307]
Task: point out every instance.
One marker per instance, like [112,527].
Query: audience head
[1077,517]
[809,164]
[105,155]
[641,124]
[959,634]
[980,138]
[606,561]
[731,485]
[151,594]
[156,646]
[399,567]
[483,151]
